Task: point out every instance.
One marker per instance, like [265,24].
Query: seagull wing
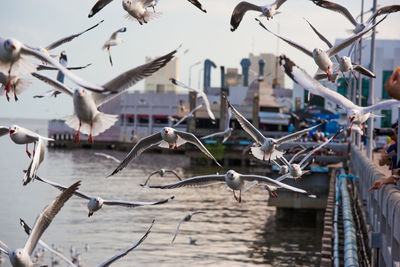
[295,45]
[297,154]
[295,135]
[228,118]
[386,104]
[4,130]
[190,114]
[47,67]
[107,156]
[98,6]
[69,38]
[257,136]
[35,53]
[207,103]
[148,178]
[177,228]
[307,82]
[138,149]
[191,138]
[47,216]
[198,5]
[213,135]
[125,252]
[194,181]
[54,83]
[272,182]
[63,188]
[278,3]
[345,43]
[131,77]
[27,230]
[337,8]
[382,11]
[4,248]
[35,162]
[136,204]
[363,70]
[239,11]
[318,148]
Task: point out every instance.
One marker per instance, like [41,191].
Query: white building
[159,82]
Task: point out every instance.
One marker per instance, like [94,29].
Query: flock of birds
[87,118]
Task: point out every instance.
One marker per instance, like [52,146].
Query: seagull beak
[13,47]
[80,93]
[12,131]
[166,132]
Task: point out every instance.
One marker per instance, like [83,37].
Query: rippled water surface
[229,233]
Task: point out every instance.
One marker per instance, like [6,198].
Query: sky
[205,35]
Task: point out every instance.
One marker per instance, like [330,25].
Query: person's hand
[377,184]
[392,85]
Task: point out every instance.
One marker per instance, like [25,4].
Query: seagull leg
[109,55]
[240,196]
[34,149]
[170,145]
[176,147]
[141,23]
[344,77]
[328,72]
[77,132]
[352,72]
[264,157]
[15,93]
[90,140]
[234,195]
[154,10]
[90,213]
[27,151]
[274,194]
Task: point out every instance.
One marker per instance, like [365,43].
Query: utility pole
[359,75]
[371,87]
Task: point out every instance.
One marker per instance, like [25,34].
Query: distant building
[271,69]
[387,58]
[159,82]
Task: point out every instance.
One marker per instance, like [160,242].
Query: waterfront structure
[160,83]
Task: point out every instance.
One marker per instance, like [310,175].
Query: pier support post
[223,109]
[256,109]
[192,105]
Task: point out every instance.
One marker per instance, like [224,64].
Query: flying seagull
[226,133]
[87,118]
[199,94]
[187,218]
[266,147]
[96,203]
[166,138]
[233,180]
[137,10]
[22,256]
[321,57]
[357,115]
[358,27]
[161,172]
[113,41]
[268,11]
[189,115]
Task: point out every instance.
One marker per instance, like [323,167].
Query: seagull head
[161,172]
[13,129]
[231,174]
[167,130]
[317,52]
[80,92]
[126,3]
[12,45]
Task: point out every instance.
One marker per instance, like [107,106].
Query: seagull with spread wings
[234,181]
[199,94]
[358,27]
[357,115]
[321,57]
[87,118]
[96,203]
[187,218]
[113,41]
[161,172]
[21,257]
[266,147]
[269,11]
[226,133]
[166,138]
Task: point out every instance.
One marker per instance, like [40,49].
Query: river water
[228,234]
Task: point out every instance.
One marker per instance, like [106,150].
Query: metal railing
[382,209]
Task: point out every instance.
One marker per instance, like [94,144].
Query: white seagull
[21,257]
[357,115]
[137,11]
[187,218]
[321,57]
[13,62]
[28,231]
[268,11]
[358,27]
[283,169]
[16,84]
[265,147]
[166,138]
[189,115]
[126,251]
[296,170]
[226,133]
[161,172]
[87,118]
[199,94]
[234,181]
[23,136]
[113,41]
[345,63]
[96,203]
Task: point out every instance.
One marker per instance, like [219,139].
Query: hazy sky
[40,22]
